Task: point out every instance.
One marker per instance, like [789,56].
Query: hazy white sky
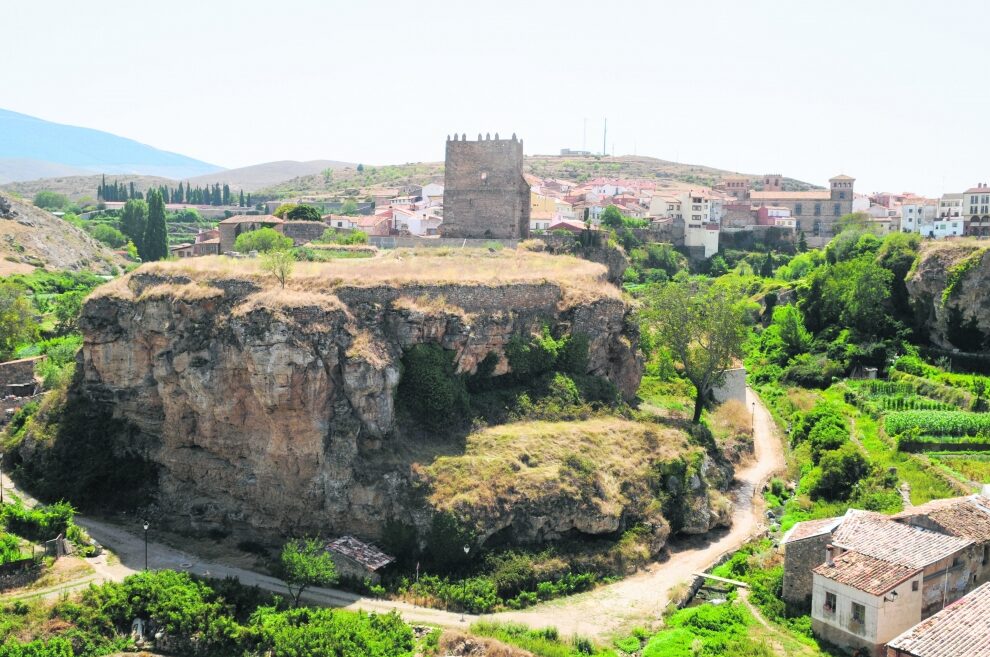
[893,92]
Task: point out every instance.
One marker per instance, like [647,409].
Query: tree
[154,245]
[262,240]
[305,563]
[67,308]
[766,268]
[802,245]
[134,220]
[50,200]
[283,209]
[611,217]
[17,324]
[703,329]
[303,213]
[349,208]
[109,236]
[279,263]
[360,168]
[841,469]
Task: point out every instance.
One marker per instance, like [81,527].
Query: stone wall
[17,373]
[799,559]
[302,232]
[485,194]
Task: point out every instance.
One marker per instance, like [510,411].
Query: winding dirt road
[607,610]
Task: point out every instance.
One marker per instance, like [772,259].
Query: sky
[894,93]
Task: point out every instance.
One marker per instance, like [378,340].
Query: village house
[976,210]
[961,629]
[869,577]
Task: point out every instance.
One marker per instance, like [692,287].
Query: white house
[976,210]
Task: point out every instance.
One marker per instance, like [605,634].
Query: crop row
[909,443]
[938,423]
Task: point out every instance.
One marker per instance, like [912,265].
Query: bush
[430,388]
[110,236]
[262,240]
[841,470]
[812,371]
[51,200]
[304,213]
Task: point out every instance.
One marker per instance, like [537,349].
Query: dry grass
[365,347]
[408,267]
[431,305]
[282,299]
[732,417]
[529,462]
[180,292]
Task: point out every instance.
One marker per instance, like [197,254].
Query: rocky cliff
[948,291]
[274,408]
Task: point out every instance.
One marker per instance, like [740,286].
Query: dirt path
[639,599]
[636,600]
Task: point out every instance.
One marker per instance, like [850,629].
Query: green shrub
[262,240]
[841,470]
[430,388]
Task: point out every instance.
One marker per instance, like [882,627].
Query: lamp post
[146,525]
[753,429]
[467,549]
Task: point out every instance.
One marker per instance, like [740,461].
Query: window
[914,585]
[484,176]
[986,554]
[818,209]
[858,613]
[837,210]
[829,607]
[842,195]
[797,208]
[955,561]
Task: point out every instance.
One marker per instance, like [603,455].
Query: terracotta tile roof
[878,536]
[365,554]
[842,176]
[248,218]
[960,629]
[810,528]
[977,190]
[965,517]
[866,573]
[814,195]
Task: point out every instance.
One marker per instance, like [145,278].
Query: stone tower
[772,182]
[842,189]
[484,192]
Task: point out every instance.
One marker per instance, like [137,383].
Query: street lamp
[146,525]
[467,549]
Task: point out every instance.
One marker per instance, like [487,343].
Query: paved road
[636,600]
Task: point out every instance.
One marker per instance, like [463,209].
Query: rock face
[947,289]
[273,409]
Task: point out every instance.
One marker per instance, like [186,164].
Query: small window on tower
[484,176]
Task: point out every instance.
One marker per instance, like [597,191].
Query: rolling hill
[258,176]
[29,145]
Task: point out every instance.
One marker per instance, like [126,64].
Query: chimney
[828,555]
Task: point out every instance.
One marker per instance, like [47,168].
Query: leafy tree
[430,388]
[704,329]
[279,263]
[717,266]
[305,563]
[841,469]
[134,220]
[50,200]
[67,307]
[17,324]
[802,245]
[349,208]
[611,217]
[897,255]
[109,236]
[303,213]
[262,240]
[154,245]
[786,337]
[360,168]
[283,209]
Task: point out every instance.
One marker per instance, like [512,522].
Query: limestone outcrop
[273,410]
[947,289]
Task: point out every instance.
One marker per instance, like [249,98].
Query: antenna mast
[604,137]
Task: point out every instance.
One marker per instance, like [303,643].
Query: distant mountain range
[32,148]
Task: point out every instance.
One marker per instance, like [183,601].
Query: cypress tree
[766,269]
[101,193]
[130,191]
[802,243]
[155,242]
[226,194]
[240,202]
[134,220]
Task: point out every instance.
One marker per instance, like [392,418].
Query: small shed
[358,559]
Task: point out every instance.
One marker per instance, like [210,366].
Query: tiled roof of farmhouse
[959,629]
[809,528]
[878,536]
[866,573]
[966,517]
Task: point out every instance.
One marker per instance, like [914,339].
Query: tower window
[837,210]
[797,208]
[842,195]
[818,209]
[484,176]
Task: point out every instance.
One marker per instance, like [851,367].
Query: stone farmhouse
[870,577]
[485,194]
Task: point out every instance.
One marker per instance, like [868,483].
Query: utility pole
[604,138]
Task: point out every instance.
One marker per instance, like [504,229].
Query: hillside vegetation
[31,238]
